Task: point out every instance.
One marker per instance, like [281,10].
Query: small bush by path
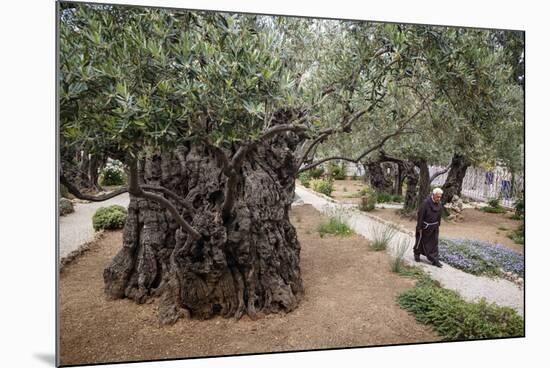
[481,258]
[324,186]
[337,172]
[65,206]
[455,319]
[305,179]
[109,218]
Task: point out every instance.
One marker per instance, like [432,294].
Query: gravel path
[75,229]
[470,287]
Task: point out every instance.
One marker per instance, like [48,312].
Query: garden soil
[350,300]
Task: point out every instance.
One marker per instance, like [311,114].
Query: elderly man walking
[427,228]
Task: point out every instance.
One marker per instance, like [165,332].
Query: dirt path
[350,300]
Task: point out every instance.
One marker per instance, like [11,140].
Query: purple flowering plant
[480,257]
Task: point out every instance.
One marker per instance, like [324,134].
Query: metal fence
[483,185]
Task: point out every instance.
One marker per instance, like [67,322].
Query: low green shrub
[368,202]
[382,197]
[316,172]
[109,218]
[455,319]
[305,179]
[397,198]
[324,186]
[337,171]
[365,190]
[65,207]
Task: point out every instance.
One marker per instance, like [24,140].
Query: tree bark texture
[377,177]
[455,177]
[398,184]
[411,179]
[247,263]
[424,181]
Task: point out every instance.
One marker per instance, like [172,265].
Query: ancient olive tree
[214,116]
[474,74]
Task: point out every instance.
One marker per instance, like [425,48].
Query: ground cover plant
[493,206]
[455,319]
[481,258]
[336,224]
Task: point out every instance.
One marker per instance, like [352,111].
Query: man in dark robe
[427,228]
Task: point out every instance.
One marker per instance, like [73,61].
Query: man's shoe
[417,258]
[437,264]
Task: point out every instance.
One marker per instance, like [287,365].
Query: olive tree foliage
[134,80]
[360,80]
[138,79]
[467,84]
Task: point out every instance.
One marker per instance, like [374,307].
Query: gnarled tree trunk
[247,263]
[455,177]
[377,178]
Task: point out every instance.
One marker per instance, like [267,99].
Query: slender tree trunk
[411,198]
[94,167]
[85,166]
[455,177]
[247,263]
[424,181]
[398,184]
